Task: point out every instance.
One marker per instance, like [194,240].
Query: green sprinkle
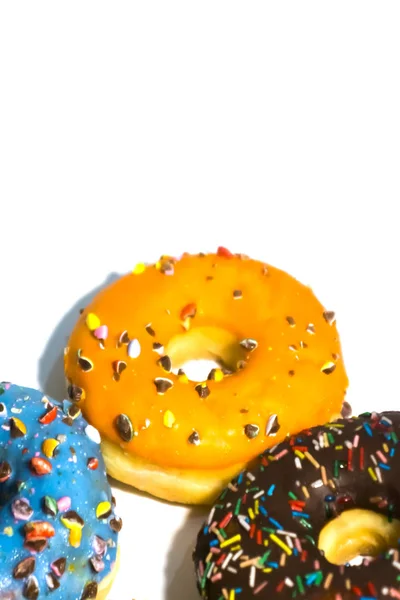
[330,437]
[223,533]
[264,558]
[394,437]
[305,524]
[336,468]
[237,507]
[300,584]
[310,539]
[292,496]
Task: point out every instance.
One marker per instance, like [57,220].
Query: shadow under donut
[180,580]
[51,363]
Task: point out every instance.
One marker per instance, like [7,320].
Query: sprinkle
[134,348]
[169,419]
[272,426]
[232,540]
[224,252]
[251,431]
[162,384]
[215,375]
[103,510]
[85,364]
[328,367]
[101,332]
[92,321]
[165,363]
[280,543]
[124,427]
[194,438]
[372,474]
[40,466]
[49,447]
[24,568]
[312,460]
[188,312]
[249,344]
[93,434]
[203,390]
[329,316]
[138,270]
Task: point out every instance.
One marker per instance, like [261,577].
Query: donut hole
[358,533]
[199,350]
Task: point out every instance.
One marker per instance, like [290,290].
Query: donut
[278,369]
[58,528]
[290,526]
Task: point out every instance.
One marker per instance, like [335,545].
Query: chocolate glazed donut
[288,526]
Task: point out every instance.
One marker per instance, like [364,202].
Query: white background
[131,130]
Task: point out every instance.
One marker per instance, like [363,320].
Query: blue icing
[22,492]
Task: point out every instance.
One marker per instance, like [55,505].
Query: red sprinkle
[252,530]
[188,311]
[41,466]
[49,417]
[350,459]
[93,463]
[280,586]
[225,521]
[39,530]
[259,537]
[362,457]
[357,591]
[221,559]
[224,252]
[372,588]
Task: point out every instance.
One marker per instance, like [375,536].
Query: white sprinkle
[289,541]
[226,561]
[243,522]
[378,474]
[16,411]
[93,434]
[373,459]
[288,533]
[316,445]
[289,582]
[317,484]
[250,476]
[348,444]
[396,565]
[134,348]
[238,554]
[258,495]
[232,570]
[252,577]
[356,440]
[211,516]
[297,462]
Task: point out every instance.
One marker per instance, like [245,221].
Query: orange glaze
[283,374]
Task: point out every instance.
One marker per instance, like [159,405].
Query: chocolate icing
[260,540]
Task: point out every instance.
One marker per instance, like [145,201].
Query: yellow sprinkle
[49,446]
[218,375]
[102,509]
[299,453]
[251,514]
[386,447]
[19,425]
[338,447]
[256,507]
[235,548]
[312,460]
[305,492]
[372,473]
[266,542]
[93,321]
[323,475]
[267,570]
[232,595]
[326,440]
[281,544]
[140,268]
[232,540]
[169,419]
[75,536]
[328,580]
[8,531]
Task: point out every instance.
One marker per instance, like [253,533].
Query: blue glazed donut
[58,529]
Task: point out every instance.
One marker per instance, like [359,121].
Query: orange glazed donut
[280,371]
